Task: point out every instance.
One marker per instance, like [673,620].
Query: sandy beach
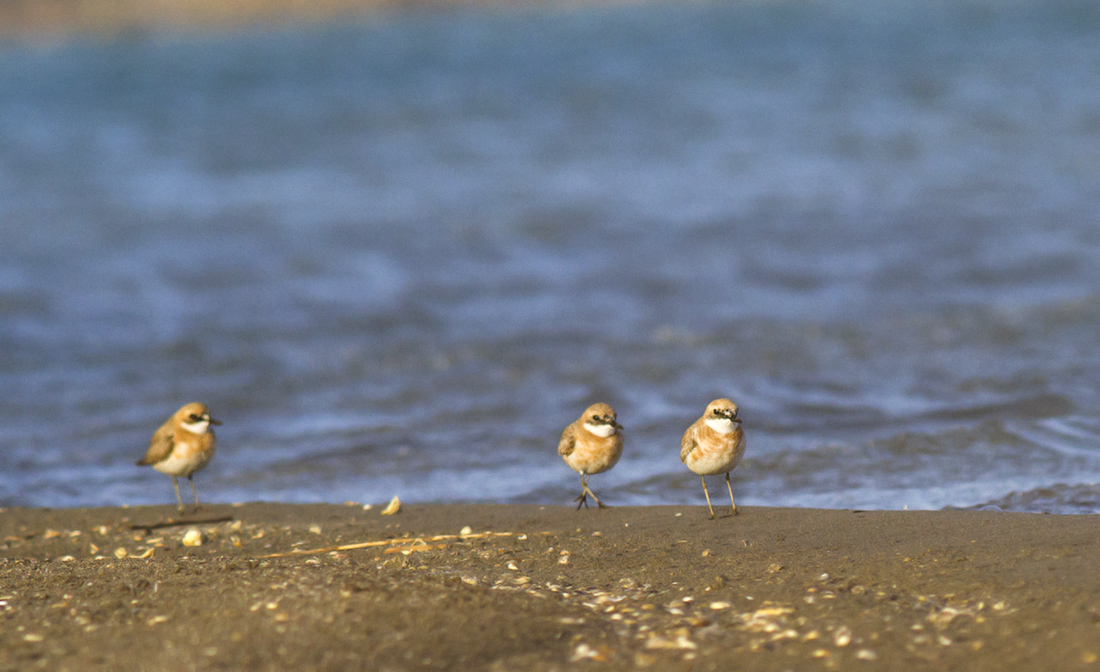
[497,587]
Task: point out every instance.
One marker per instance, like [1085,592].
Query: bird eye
[596,418]
[195,418]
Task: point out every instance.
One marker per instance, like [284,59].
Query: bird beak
[616,425]
[215,422]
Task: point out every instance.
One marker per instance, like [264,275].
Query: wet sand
[329,587]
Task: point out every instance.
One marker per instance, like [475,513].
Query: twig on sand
[410,544]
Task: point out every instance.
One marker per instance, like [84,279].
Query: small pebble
[843,636]
[393,507]
[193,537]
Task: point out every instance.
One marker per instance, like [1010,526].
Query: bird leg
[179,500]
[704,479]
[191,480]
[585,492]
[733,503]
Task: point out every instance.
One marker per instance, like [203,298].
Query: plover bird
[183,445]
[714,444]
[592,445]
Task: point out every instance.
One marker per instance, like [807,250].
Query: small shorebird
[183,445]
[714,444]
[592,445]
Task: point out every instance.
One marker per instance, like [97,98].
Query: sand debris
[585,652]
[678,639]
[393,507]
[193,537]
[408,544]
[843,636]
[171,522]
[943,617]
[765,620]
[415,548]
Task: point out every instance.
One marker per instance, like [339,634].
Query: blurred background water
[398,255]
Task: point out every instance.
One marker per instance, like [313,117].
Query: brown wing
[568,441]
[688,443]
[160,447]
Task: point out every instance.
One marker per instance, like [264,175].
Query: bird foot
[588,492]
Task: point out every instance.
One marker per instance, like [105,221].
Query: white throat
[199,427]
[720,425]
[600,430]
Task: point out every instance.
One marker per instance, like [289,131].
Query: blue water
[397,255]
